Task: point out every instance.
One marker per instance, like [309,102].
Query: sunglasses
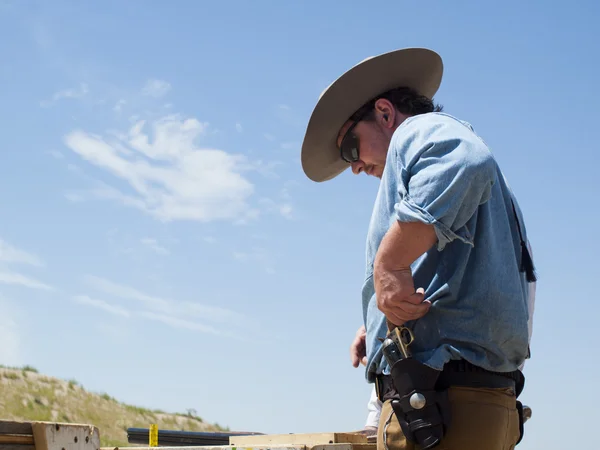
[349,145]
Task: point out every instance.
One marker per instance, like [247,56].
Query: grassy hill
[27,395]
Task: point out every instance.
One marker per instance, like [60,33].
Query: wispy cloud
[163,317]
[153,245]
[126,292]
[179,314]
[11,254]
[156,88]
[9,277]
[101,304]
[71,93]
[158,164]
[170,177]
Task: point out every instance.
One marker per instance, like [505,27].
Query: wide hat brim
[418,68]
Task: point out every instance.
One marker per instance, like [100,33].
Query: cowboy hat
[418,68]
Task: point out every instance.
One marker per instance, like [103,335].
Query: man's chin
[376,172]
[373,171]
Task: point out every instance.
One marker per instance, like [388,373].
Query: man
[446,255]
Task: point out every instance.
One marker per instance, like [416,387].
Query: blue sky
[159,242]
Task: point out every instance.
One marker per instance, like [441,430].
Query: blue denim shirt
[440,172]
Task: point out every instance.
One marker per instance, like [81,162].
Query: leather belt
[460,373]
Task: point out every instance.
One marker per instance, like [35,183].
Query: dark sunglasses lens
[349,148]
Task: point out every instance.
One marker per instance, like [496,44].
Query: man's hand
[397,298]
[358,349]
[394,286]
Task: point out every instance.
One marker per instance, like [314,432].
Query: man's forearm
[403,244]
[396,295]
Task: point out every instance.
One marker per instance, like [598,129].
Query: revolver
[396,345]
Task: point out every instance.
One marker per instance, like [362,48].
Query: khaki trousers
[482,419]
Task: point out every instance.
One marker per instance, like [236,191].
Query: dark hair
[405,99]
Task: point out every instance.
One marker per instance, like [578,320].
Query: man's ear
[385,112]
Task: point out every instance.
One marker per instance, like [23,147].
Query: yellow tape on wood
[153,441]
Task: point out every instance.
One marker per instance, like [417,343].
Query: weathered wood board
[346,446]
[65,436]
[48,436]
[19,439]
[210,447]
[307,439]
[14,427]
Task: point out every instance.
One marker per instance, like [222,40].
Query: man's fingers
[399,317]
[357,348]
[355,356]
[359,359]
[417,297]
[405,311]
[410,307]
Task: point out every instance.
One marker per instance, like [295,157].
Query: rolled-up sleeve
[445,174]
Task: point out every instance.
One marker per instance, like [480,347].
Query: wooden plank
[254,447]
[307,439]
[65,436]
[369,446]
[18,447]
[208,447]
[15,439]
[13,427]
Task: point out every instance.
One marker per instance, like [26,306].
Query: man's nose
[358,167]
